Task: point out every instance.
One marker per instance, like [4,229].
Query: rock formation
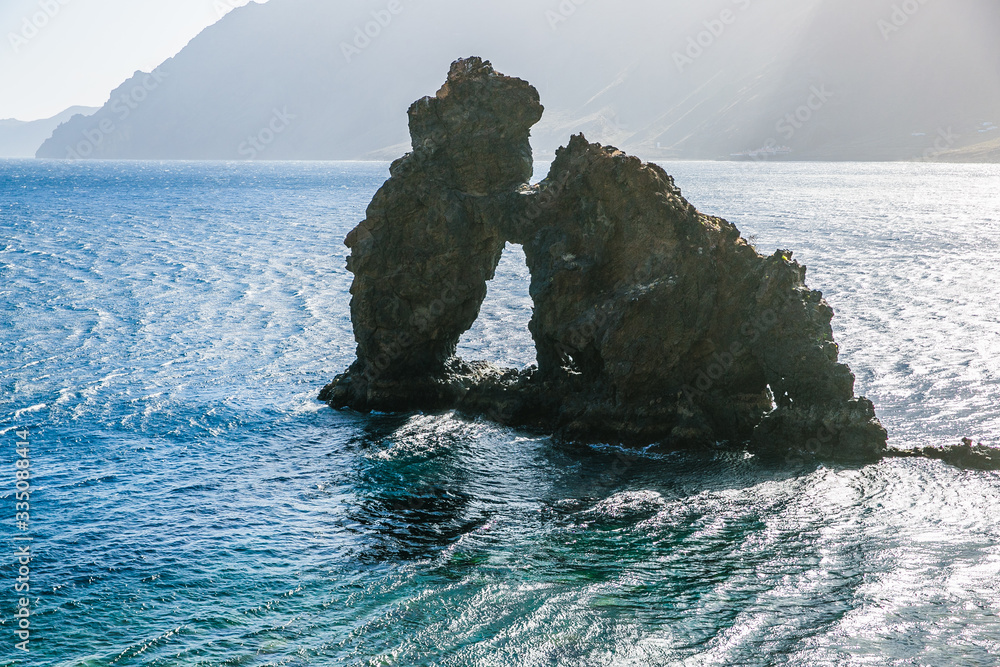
[429,243]
[653,323]
[966,455]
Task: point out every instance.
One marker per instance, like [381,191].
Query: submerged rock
[653,323]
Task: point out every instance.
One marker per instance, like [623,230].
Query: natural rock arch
[652,322]
[501,333]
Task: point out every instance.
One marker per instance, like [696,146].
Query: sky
[55,54]
[690,77]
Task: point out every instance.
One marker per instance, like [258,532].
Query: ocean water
[165,328]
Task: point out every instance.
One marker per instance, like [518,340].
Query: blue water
[166,327]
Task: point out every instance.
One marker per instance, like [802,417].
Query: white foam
[33,408]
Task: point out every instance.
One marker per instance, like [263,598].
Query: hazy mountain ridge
[20,138]
[822,79]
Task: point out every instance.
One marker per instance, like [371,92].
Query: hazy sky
[84,49]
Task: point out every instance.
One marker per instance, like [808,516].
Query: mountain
[20,138]
[814,79]
[984,151]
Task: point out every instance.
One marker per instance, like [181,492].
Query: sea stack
[652,322]
[430,242]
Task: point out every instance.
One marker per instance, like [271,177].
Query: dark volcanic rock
[966,455]
[422,256]
[653,323]
[659,323]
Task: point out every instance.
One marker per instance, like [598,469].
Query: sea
[165,328]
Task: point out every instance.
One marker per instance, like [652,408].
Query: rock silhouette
[653,322]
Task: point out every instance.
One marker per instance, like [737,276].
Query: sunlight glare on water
[167,326]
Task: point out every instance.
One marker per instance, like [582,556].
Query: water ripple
[167,326]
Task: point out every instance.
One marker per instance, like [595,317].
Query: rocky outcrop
[422,256]
[966,455]
[660,323]
[653,323]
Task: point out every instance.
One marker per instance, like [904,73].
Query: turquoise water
[166,327]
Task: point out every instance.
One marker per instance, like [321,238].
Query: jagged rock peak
[475,129]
